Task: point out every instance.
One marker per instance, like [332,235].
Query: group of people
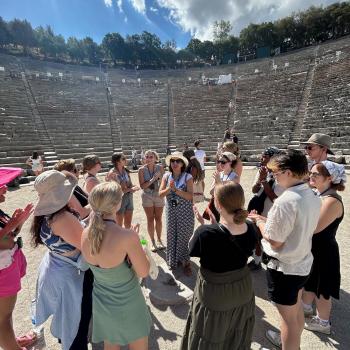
[95,258]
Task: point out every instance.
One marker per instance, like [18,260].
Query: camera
[174,203]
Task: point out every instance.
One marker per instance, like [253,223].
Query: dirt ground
[169,321]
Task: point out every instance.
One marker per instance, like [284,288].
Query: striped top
[54,243]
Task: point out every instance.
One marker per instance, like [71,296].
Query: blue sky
[169,19]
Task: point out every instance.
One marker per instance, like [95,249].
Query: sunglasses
[223,162]
[310,148]
[178,161]
[149,157]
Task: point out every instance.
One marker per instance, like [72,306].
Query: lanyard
[227,177]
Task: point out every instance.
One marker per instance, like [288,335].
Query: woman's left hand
[135,228]
[198,216]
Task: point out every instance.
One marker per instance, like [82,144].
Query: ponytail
[96,232]
[240,216]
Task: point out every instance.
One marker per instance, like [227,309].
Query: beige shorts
[149,200]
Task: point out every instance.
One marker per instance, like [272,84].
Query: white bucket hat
[54,190]
[176,155]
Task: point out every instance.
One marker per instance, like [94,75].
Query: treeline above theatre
[146,50]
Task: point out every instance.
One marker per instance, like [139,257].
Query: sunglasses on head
[178,161]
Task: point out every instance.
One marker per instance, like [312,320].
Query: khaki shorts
[149,200]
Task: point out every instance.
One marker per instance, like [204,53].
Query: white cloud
[108,3]
[153,9]
[197,16]
[120,5]
[139,5]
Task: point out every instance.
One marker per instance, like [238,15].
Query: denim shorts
[127,203]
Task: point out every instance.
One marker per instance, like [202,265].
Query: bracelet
[263,181]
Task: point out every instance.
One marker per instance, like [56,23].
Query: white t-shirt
[200,155]
[292,219]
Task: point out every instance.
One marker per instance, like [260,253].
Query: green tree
[75,49]
[5,36]
[185,55]
[194,46]
[151,47]
[133,48]
[114,46]
[221,30]
[207,49]
[227,47]
[22,33]
[92,50]
[49,43]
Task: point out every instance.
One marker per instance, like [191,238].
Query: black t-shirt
[81,196]
[219,250]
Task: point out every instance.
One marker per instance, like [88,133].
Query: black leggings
[81,340]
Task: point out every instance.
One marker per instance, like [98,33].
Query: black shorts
[283,289]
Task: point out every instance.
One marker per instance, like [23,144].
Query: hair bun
[240,216]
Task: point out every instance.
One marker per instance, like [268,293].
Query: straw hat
[176,155]
[320,140]
[54,190]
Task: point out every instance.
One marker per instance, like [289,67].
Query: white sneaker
[274,337]
[313,324]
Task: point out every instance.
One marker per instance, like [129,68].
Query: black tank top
[328,234]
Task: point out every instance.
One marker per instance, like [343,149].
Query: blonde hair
[102,199]
[231,197]
[232,147]
[156,155]
[65,164]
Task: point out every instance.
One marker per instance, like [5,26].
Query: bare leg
[308,297]
[292,324]
[323,307]
[128,218]
[158,213]
[7,334]
[108,346]
[139,344]
[150,221]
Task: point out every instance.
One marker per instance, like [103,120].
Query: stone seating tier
[74,117]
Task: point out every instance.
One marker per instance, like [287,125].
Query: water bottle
[33,311]
[143,241]
[153,271]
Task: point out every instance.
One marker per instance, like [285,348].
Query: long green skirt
[222,312]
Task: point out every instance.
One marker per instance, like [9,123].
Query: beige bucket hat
[176,155]
[320,140]
[54,189]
